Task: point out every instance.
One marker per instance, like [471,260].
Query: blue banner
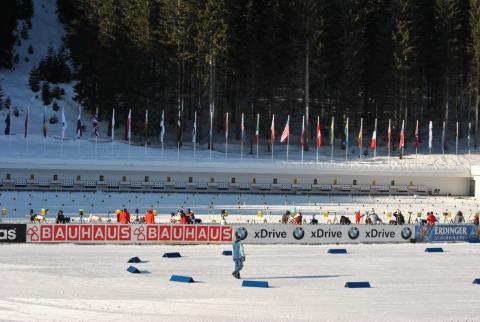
[447,233]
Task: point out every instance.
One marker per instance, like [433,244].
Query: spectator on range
[285,217]
[475,219]
[431,219]
[399,219]
[149,217]
[459,219]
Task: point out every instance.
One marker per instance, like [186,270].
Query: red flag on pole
[389,134]
[302,140]
[272,130]
[402,136]
[286,131]
[373,144]
[319,133]
[417,139]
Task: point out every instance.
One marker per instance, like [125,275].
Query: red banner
[113,233]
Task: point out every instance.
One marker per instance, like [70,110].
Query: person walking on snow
[238,255]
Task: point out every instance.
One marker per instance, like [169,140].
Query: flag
[346,134]
[26,122]
[179,130]
[389,134]
[243,132]
[113,124]
[319,133]
[129,125]
[417,139]
[210,133]
[331,134]
[257,130]
[401,145]
[443,138]
[194,130]
[272,130]
[162,126]
[430,134]
[7,122]
[64,122]
[79,125]
[468,135]
[302,140]
[226,127]
[360,134]
[146,126]
[45,123]
[373,144]
[286,131]
[95,129]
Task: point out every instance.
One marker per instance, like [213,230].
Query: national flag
[113,124]
[443,138]
[210,133]
[194,129]
[243,132]
[401,145]
[360,134]
[45,123]
[129,125]
[96,131]
[468,135]
[302,140]
[417,138]
[146,126]
[373,144]
[257,130]
[162,126]
[272,130]
[26,122]
[7,122]
[332,133]
[64,122]
[79,125]
[346,134]
[319,133]
[430,134]
[286,131]
[389,134]
[226,127]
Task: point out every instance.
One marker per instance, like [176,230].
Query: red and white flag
[319,133]
[286,131]
[402,136]
[272,130]
[373,144]
[129,125]
[389,135]
[226,127]
[257,130]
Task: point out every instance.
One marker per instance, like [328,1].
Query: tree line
[386,59]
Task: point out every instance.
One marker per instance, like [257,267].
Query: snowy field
[241,207]
[90,283]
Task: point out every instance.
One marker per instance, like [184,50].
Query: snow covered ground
[90,283]
[242,207]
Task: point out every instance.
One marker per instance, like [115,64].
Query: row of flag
[284,138]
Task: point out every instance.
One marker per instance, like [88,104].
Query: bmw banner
[323,234]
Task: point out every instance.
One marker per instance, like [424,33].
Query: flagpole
[272,132]
[346,141]
[226,136]
[303,128]
[288,137]
[430,137]
[63,131]
[79,136]
[332,139]
[113,133]
[361,141]
[469,128]
[456,142]
[95,132]
[318,123]
[241,139]
[146,132]
[10,130]
[211,134]
[27,125]
[257,134]
[389,138]
[195,139]
[443,139]
[403,145]
[44,134]
[162,130]
[129,130]
[416,142]
[375,148]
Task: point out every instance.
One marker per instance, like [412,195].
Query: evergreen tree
[34,79]
[2,94]
[46,97]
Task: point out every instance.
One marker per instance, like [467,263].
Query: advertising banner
[129,234]
[12,233]
[447,233]
[324,234]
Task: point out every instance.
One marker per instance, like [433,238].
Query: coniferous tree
[46,97]
[34,79]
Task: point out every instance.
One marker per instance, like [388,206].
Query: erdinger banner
[323,234]
[134,234]
[446,233]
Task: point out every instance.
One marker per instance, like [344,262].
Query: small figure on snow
[238,255]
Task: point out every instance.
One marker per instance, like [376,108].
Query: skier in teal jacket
[238,255]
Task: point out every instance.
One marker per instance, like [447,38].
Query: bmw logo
[406,233]
[298,233]
[241,233]
[353,233]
